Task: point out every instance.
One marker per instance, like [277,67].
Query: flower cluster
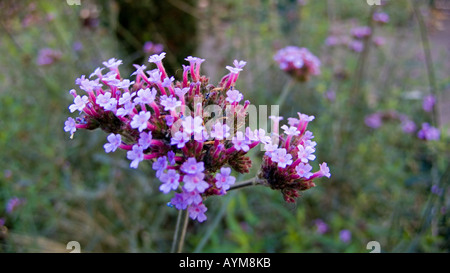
[155,118]
[298,62]
[286,167]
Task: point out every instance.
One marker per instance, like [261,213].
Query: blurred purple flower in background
[321,226]
[345,235]
[428,103]
[374,120]
[380,17]
[13,203]
[428,132]
[298,62]
[48,56]
[356,46]
[361,32]
[152,48]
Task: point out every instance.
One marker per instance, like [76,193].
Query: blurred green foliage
[381,181]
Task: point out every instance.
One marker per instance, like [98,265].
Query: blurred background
[387,185]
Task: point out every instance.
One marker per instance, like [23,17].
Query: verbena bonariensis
[156,118]
[298,62]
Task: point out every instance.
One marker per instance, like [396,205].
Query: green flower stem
[177,231]
[285,92]
[250,182]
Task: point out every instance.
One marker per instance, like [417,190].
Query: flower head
[298,62]
[224,178]
[140,115]
[140,121]
[170,103]
[136,155]
[428,132]
[170,181]
[157,58]
[191,166]
[114,141]
[78,104]
[234,96]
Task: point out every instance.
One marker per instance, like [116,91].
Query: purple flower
[239,64]
[160,165]
[234,96]
[167,81]
[136,155]
[379,41]
[190,166]
[154,76]
[345,235]
[127,109]
[380,17]
[260,134]
[48,56]
[281,157]
[374,120]
[139,69]
[428,103]
[408,126]
[290,131]
[321,226]
[157,58]
[104,99]
[114,142]
[428,132]
[170,103]
[305,153]
[178,201]
[171,157]
[140,121]
[240,143]
[224,179]
[304,170]
[195,182]
[112,63]
[192,125]
[435,189]
[126,97]
[198,212]
[70,126]
[13,203]
[324,170]
[150,47]
[145,139]
[125,84]
[356,46]
[180,139]
[233,70]
[192,197]
[79,103]
[298,61]
[220,131]
[361,32]
[180,92]
[305,117]
[170,181]
[145,96]
[169,120]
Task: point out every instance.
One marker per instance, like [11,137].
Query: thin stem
[177,231]
[286,90]
[360,67]
[183,232]
[428,60]
[250,182]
